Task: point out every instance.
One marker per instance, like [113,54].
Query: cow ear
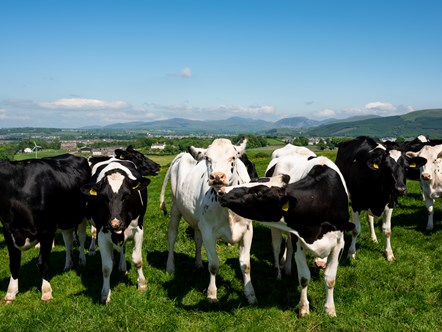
[287,203]
[416,162]
[120,154]
[241,147]
[90,189]
[197,153]
[439,155]
[373,164]
[140,184]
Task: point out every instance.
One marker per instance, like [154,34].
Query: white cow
[291,160]
[430,177]
[195,179]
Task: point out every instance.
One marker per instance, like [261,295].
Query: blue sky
[69,64]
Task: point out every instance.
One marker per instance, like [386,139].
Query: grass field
[371,294]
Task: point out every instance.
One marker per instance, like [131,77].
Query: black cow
[315,210]
[39,196]
[117,204]
[375,174]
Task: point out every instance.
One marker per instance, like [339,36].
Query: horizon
[148,61]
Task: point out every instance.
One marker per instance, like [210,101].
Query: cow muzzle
[115,226]
[401,191]
[426,176]
[217,180]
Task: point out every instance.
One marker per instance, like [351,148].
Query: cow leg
[354,235]
[276,245]
[386,228]
[209,242]
[288,256]
[82,240]
[330,274]
[371,224]
[106,251]
[303,278]
[244,262]
[429,203]
[198,244]
[122,266]
[172,233]
[43,264]
[92,247]
[68,239]
[137,259]
[14,267]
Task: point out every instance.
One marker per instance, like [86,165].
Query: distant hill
[427,122]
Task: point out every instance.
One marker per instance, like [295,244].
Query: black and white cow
[430,177]
[144,165]
[39,196]
[292,160]
[375,176]
[315,211]
[195,178]
[117,204]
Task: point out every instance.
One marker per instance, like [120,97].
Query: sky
[70,64]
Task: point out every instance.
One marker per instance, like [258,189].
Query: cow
[314,209]
[375,177]
[144,165]
[195,177]
[117,204]
[39,196]
[288,159]
[430,177]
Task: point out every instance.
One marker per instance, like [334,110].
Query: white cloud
[186,72]
[83,104]
[378,108]
[8,115]
[326,113]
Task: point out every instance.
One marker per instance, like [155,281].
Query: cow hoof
[212,300]
[8,300]
[351,256]
[46,297]
[303,313]
[390,258]
[142,286]
[331,311]
[91,253]
[252,299]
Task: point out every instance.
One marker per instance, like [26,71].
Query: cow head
[221,159]
[431,171]
[390,166]
[114,198]
[144,164]
[263,200]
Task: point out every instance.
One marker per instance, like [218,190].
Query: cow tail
[163,191]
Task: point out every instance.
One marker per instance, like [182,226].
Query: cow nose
[115,223]
[426,176]
[401,190]
[218,177]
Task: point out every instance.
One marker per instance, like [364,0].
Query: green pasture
[371,294]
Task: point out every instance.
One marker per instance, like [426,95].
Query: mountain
[427,122]
[296,122]
[233,125]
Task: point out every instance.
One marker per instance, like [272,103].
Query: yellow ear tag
[285,207]
[136,187]
[376,166]
[413,165]
[92,192]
